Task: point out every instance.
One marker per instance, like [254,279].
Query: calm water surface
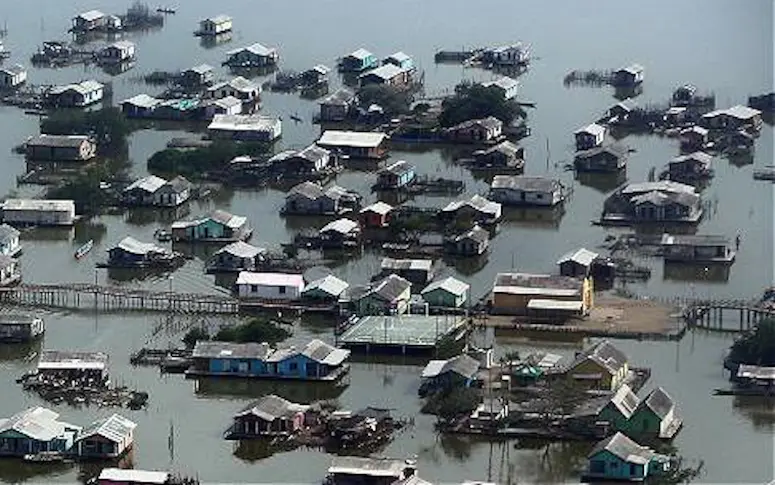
[722,46]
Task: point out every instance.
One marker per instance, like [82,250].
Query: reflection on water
[24,351]
[299,392]
[552,462]
[47,234]
[202,252]
[468,266]
[15,470]
[148,215]
[711,273]
[125,275]
[759,410]
[89,230]
[548,218]
[253,450]
[602,182]
[210,41]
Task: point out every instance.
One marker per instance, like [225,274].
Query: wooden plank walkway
[79,296]
[711,314]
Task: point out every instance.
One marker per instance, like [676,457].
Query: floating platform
[400,333]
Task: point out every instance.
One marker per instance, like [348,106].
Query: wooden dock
[79,296]
[711,314]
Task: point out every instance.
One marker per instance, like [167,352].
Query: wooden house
[16,328]
[76,95]
[443,375]
[376,215]
[506,86]
[648,202]
[10,271]
[510,55]
[35,430]
[655,416]
[12,77]
[310,198]
[477,209]
[223,106]
[219,226]
[397,175]
[326,289]
[620,408]
[131,253]
[117,52]
[269,416]
[355,144]
[694,138]
[254,55]
[214,26]
[61,148]
[417,271]
[256,128]
[155,191]
[372,471]
[446,293]
[140,106]
[38,212]
[732,119]
[237,256]
[702,249]
[301,163]
[523,190]
[341,233]
[619,113]
[173,193]
[609,158]
[106,438]
[238,87]
[338,106]
[386,75]
[503,157]
[629,76]
[600,366]
[400,60]
[358,61]
[197,76]
[388,296]
[589,136]
[269,286]
[691,168]
[577,263]
[473,242]
[513,294]
[88,21]
[9,241]
[618,458]
[315,76]
[483,130]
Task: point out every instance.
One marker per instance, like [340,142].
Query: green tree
[255,330]
[474,101]
[452,403]
[393,101]
[198,162]
[194,335]
[107,126]
[756,347]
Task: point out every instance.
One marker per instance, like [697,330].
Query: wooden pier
[712,314]
[116,299]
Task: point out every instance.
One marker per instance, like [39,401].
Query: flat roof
[270,279]
[542,304]
[39,205]
[54,359]
[356,139]
[409,330]
[134,476]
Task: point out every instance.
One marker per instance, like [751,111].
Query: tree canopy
[452,403]
[196,162]
[756,347]
[474,101]
[393,101]
[255,330]
[107,126]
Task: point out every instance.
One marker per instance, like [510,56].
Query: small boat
[165,10]
[84,250]
[162,235]
[45,457]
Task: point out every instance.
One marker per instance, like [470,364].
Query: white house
[271,286]
[215,25]
[238,87]
[526,190]
[509,87]
[246,127]
[12,76]
[38,212]
[76,95]
[117,52]
[9,240]
[590,136]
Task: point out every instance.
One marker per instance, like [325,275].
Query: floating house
[400,59]
[60,148]
[10,271]
[317,361]
[197,76]
[620,458]
[476,209]
[590,136]
[483,130]
[106,438]
[38,212]
[442,375]
[705,249]
[223,106]
[35,430]
[449,292]
[690,168]
[629,76]
[655,416]
[140,106]
[650,202]
[269,416]
[609,158]
[92,366]
[489,413]
[754,376]
[214,26]
[117,52]
[243,89]
[386,75]
[269,286]
[158,192]
[259,128]
[309,198]
[131,253]
[397,175]
[526,293]
[736,118]
[314,76]
[694,138]
[511,55]
[338,106]
[505,156]
[15,328]
[301,163]
[76,95]
[340,234]
[417,271]
[600,366]
[237,256]
[219,226]
[388,296]
[376,215]
[9,241]
[473,242]
[620,113]
[523,190]
[326,289]
[355,144]
[120,476]
[577,263]
[619,409]
[358,61]
[254,55]
[508,87]
[88,21]
[11,77]
[371,471]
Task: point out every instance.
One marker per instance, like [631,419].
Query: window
[293,367]
[597,466]
[281,290]
[614,465]
[634,470]
[253,288]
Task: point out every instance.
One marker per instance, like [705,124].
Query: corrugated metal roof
[559,305]
[115,428]
[241,250]
[120,475]
[592,129]
[133,246]
[358,139]
[270,279]
[271,407]
[149,184]
[256,48]
[581,256]
[378,208]
[478,203]
[375,467]
[525,183]
[91,15]
[385,72]
[215,349]
[360,54]
[329,284]
[449,284]
[341,226]
[72,141]
[142,101]
[38,423]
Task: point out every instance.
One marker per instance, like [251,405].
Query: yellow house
[524,293]
[601,366]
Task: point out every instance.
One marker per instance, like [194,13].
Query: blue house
[358,61]
[219,226]
[440,375]
[35,430]
[396,176]
[400,59]
[317,361]
[620,458]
